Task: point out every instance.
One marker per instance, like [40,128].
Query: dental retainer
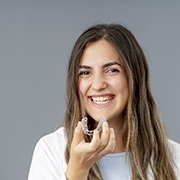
[85,126]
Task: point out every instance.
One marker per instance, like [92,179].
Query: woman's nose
[98,82]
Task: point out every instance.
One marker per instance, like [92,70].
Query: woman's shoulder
[58,135]
[49,156]
[174,146]
[53,143]
[175,152]
[54,139]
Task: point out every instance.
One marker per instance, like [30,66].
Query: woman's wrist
[75,172]
[72,175]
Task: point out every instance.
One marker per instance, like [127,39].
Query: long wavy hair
[144,135]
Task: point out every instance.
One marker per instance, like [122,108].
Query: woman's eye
[112,70]
[84,73]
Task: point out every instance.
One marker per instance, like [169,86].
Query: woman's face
[102,81]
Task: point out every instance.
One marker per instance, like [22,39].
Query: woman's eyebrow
[105,65]
[84,67]
[111,64]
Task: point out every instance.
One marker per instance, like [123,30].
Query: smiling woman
[112,126]
[103,83]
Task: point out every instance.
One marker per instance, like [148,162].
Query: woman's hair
[144,135]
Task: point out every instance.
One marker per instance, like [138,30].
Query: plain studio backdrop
[36,38]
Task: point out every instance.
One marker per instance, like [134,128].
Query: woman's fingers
[104,143]
[93,145]
[78,135]
[99,145]
[104,135]
[109,148]
[100,141]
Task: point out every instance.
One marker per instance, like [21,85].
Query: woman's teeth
[101,100]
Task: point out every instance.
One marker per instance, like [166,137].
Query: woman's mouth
[101,99]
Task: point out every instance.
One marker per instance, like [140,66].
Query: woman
[108,80]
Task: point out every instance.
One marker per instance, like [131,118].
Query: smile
[102,100]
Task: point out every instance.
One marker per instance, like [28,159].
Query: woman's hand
[84,155]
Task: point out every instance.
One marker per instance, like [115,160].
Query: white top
[48,161]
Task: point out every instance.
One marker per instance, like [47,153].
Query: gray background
[36,38]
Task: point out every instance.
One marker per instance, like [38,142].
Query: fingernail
[105,123]
[79,123]
[96,131]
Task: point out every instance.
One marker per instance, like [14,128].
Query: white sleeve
[175,149]
[48,162]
